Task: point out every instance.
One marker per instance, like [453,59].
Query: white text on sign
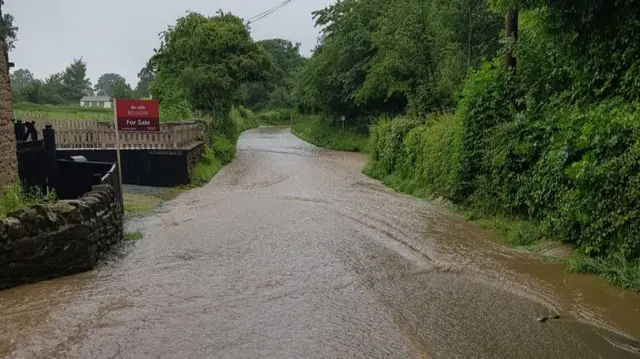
[138,111]
[138,123]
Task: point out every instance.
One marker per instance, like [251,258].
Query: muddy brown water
[290,252]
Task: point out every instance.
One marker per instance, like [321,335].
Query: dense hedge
[574,170]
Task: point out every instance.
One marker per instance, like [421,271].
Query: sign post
[115,124]
[134,116]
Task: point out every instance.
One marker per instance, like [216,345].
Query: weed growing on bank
[13,197]
[132,236]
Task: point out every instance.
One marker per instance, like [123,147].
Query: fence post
[51,163]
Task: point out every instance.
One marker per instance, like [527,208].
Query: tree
[145,77]
[8,31]
[21,77]
[203,60]
[106,82]
[274,91]
[121,89]
[75,80]
[377,57]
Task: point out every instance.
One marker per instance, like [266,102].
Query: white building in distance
[96,101]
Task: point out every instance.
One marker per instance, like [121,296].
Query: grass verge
[421,159]
[616,269]
[137,204]
[316,130]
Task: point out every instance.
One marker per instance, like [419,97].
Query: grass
[28,111]
[315,130]
[12,198]
[208,166]
[136,204]
[132,236]
[617,270]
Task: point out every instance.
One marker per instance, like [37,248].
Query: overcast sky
[119,35]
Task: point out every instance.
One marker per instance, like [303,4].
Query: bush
[280,117]
[318,130]
[422,160]
[221,149]
[204,170]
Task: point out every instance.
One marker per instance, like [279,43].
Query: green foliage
[145,77]
[617,269]
[204,170]
[13,197]
[133,236]
[121,89]
[75,81]
[8,30]
[66,87]
[417,157]
[316,130]
[20,78]
[27,110]
[275,90]
[279,117]
[203,60]
[222,145]
[137,204]
[378,57]
[107,83]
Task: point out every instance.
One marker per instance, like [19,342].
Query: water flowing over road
[290,252]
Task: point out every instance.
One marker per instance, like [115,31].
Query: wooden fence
[94,134]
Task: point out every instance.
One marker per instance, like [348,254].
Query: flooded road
[290,252]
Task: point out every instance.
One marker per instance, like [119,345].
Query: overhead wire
[270,11]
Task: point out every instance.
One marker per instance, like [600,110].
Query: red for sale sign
[138,115]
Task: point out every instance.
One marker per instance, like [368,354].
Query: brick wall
[8,162]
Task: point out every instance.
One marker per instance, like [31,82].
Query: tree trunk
[511,32]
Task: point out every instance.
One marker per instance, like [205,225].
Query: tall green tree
[275,90]
[145,77]
[21,77]
[375,57]
[202,61]
[105,84]
[75,80]
[8,30]
[121,89]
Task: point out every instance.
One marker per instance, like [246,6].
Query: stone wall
[8,162]
[52,240]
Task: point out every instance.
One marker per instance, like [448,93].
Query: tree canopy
[202,61]
[66,87]
[105,84]
[8,30]
[275,90]
[380,57]
[20,78]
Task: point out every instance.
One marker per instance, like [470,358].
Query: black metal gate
[32,157]
[32,164]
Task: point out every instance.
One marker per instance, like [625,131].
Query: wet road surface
[290,252]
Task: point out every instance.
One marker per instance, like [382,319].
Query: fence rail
[94,134]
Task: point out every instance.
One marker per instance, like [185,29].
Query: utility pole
[511,32]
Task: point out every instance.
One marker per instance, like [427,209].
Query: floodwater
[290,252]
